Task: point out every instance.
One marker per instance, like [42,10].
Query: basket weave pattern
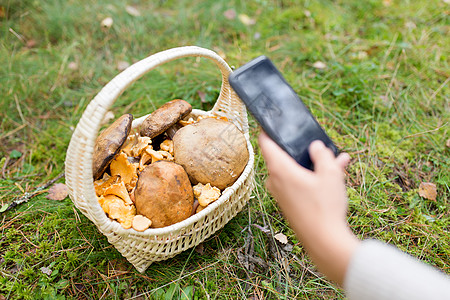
[155,244]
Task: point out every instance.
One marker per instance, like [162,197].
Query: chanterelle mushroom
[116,209]
[206,194]
[108,144]
[164,117]
[126,170]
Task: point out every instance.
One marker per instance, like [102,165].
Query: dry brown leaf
[428,190]
[246,20]
[122,65]
[72,66]
[281,238]
[107,22]
[448,143]
[132,11]
[230,14]
[58,191]
[319,65]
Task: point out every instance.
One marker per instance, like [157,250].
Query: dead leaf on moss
[107,22]
[319,65]
[428,190]
[230,14]
[122,65]
[46,270]
[58,191]
[448,143]
[132,11]
[281,238]
[246,20]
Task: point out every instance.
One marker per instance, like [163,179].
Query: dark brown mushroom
[109,142]
[164,194]
[164,117]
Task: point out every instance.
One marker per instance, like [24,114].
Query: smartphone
[278,109]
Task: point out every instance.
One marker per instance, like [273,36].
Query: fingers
[278,162]
[323,158]
[343,159]
[273,154]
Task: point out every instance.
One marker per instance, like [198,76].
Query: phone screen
[278,109]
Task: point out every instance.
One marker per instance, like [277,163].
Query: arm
[314,203]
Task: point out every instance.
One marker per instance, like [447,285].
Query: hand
[314,203]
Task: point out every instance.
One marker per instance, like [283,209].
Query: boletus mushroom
[164,117]
[164,194]
[211,151]
[108,144]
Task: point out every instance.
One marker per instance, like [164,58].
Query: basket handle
[79,153]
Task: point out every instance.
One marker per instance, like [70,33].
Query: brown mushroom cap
[164,194]
[164,117]
[211,151]
[109,142]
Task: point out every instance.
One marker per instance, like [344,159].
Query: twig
[27,196]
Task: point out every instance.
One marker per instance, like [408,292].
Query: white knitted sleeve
[381,271]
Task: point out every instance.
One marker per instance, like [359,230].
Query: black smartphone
[278,109]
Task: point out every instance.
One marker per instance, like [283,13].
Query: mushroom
[211,151]
[131,141]
[120,191]
[164,117]
[116,209]
[101,184]
[108,144]
[206,194]
[167,145]
[126,170]
[164,194]
[141,223]
[143,142]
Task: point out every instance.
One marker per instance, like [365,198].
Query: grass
[382,97]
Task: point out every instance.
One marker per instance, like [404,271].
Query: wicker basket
[143,248]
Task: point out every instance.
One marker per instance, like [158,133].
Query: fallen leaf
[230,14]
[246,20]
[58,191]
[46,270]
[107,22]
[361,55]
[122,65]
[319,65]
[202,96]
[410,25]
[72,66]
[132,11]
[448,143]
[200,249]
[281,238]
[31,43]
[428,190]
